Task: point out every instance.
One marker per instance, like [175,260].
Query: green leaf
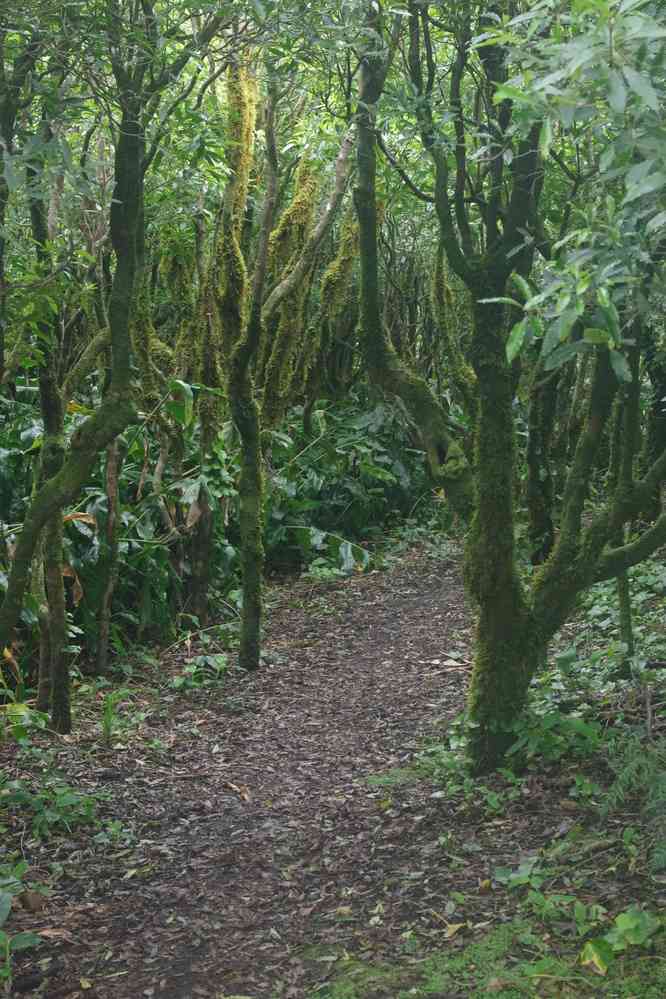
[181,406]
[21,941]
[507,92]
[545,138]
[502,300]
[617,92]
[558,331]
[641,86]
[597,954]
[656,222]
[620,366]
[522,286]
[515,341]
[5,906]
[633,927]
[564,353]
[652,183]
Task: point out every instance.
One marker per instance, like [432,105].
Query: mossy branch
[297,272]
[246,416]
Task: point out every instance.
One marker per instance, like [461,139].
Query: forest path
[259,843]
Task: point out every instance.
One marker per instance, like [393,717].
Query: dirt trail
[260,844]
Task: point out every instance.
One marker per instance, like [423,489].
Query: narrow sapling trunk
[108,563]
[541,421]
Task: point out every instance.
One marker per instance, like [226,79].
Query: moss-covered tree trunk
[116,411]
[446,460]
[246,416]
[507,646]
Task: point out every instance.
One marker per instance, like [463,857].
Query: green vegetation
[285,286]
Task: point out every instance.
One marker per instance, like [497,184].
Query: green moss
[511,962]
[286,245]
[289,234]
[452,310]
[393,778]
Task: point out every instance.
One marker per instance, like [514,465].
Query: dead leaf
[193,514]
[241,790]
[497,984]
[77,589]
[452,929]
[485,886]
[85,983]
[85,518]
[33,901]
[53,933]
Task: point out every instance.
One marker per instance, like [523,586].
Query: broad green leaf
[564,353]
[606,160]
[641,86]
[638,171]
[21,941]
[522,286]
[558,331]
[617,92]
[656,222]
[5,906]
[181,406]
[597,954]
[545,138]
[652,183]
[515,341]
[507,92]
[633,927]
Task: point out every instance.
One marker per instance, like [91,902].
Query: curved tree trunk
[247,418]
[446,460]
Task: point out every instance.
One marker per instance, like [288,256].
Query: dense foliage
[217,359]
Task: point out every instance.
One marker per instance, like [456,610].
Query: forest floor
[271,839]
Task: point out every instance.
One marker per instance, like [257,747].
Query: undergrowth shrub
[639,769]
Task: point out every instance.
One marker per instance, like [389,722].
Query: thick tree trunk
[507,646]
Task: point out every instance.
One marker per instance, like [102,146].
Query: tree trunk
[446,460]
[506,646]
[117,410]
[247,418]
[541,421]
[108,565]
